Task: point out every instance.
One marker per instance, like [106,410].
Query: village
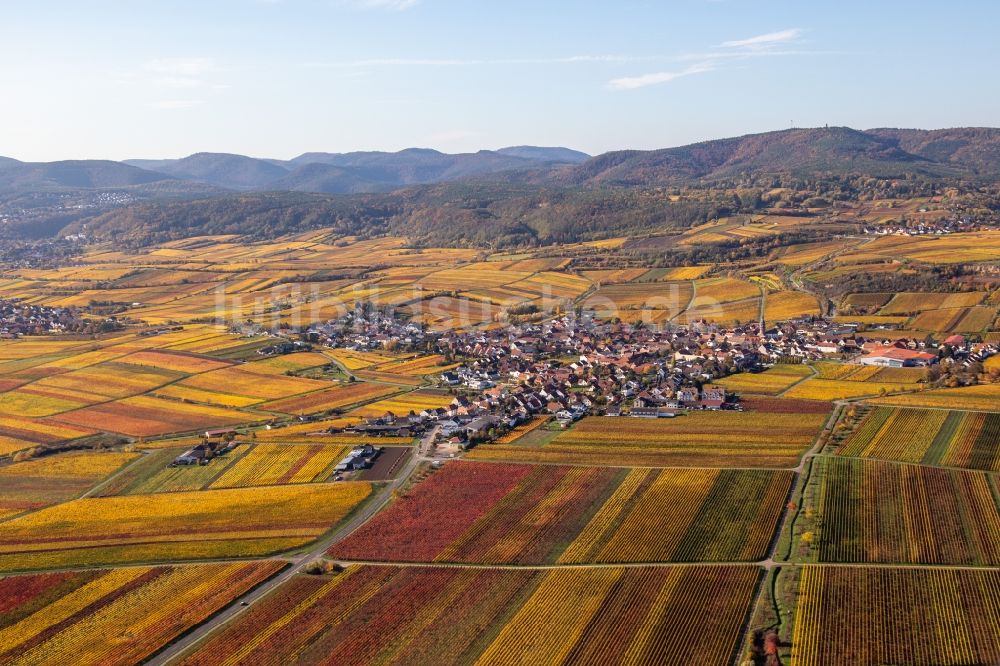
[570,367]
[18,318]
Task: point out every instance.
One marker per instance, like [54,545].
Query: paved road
[375,503]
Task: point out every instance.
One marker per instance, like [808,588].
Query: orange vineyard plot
[873,511]
[242,380]
[145,416]
[114,617]
[177,526]
[33,484]
[177,361]
[896,616]
[774,437]
[981,397]
[772,381]
[415,401]
[930,437]
[440,616]
[499,513]
[785,305]
[333,398]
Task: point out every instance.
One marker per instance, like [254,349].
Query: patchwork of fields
[881,512]
[613,540]
[427,615]
[930,437]
[241,522]
[116,616]
[33,484]
[524,514]
[771,438]
[143,387]
[896,616]
[257,464]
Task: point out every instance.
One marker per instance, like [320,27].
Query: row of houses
[906,353]
[18,318]
[572,366]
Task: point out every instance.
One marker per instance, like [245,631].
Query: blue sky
[274,78]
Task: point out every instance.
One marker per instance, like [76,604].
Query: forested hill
[805,152]
[450,215]
[479,201]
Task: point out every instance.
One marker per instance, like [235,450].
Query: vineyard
[330,398]
[839,389]
[523,429]
[244,380]
[178,361]
[524,514]
[775,438]
[118,616]
[785,305]
[146,416]
[33,484]
[419,366]
[438,616]
[930,437]
[896,616]
[981,397]
[278,464]
[175,526]
[603,541]
[873,511]
[259,464]
[772,381]
[415,401]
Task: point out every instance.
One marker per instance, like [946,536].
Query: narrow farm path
[812,374]
[827,307]
[687,306]
[762,312]
[373,505]
[122,470]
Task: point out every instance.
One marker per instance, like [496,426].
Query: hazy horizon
[471,151]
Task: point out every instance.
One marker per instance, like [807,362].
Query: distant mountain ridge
[234,172]
[358,172]
[974,148]
[511,196]
[882,153]
[74,174]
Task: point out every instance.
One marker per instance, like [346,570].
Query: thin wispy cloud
[765,41]
[176,104]
[181,73]
[656,78]
[163,78]
[475,62]
[773,44]
[385,5]
[389,5]
[766,45]
[182,67]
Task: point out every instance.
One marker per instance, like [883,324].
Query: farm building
[652,412]
[897,357]
[360,457]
